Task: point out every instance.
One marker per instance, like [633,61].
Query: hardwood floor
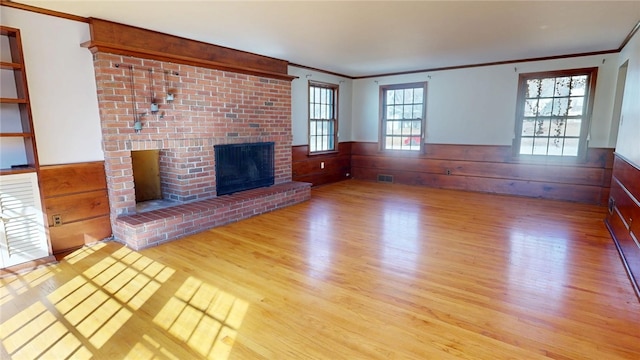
[361,271]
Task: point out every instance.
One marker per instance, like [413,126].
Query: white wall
[477,105]
[300,103]
[61,85]
[465,106]
[628,144]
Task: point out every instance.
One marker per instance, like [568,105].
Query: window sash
[403,113]
[323,120]
[553,113]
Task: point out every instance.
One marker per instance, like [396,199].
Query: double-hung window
[553,113]
[403,112]
[323,117]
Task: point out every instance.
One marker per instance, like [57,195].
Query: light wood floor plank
[361,271]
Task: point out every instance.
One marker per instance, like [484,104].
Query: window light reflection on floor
[79,317]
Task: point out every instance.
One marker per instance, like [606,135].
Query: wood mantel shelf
[115,38]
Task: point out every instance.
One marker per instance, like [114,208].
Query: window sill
[319,153]
[404,153]
[548,159]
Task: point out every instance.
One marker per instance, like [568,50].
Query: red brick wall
[210,107]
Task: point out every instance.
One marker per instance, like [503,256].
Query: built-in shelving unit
[17,139]
[23,235]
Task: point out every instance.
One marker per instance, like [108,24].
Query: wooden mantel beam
[111,37]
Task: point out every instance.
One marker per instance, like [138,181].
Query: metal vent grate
[385,178]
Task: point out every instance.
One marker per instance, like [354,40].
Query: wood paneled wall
[78,194]
[623,219]
[308,168]
[490,169]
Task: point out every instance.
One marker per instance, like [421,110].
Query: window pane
[526,146]
[562,86]
[558,127]
[389,128]
[555,146]
[533,88]
[418,94]
[528,127]
[417,127]
[398,97]
[547,86]
[390,97]
[545,106]
[531,107]
[570,147]
[542,127]
[312,128]
[560,106]
[417,112]
[396,142]
[406,128]
[540,146]
[578,85]
[573,127]
[397,112]
[411,141]
[576,106]
[408,96]
[390,113]
[407,112]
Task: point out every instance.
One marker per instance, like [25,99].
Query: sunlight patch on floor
[17,285]
[83,314]
[204,317]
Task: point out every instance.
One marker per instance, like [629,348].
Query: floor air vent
[385,178]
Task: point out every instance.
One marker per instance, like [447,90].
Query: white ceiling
[360,38]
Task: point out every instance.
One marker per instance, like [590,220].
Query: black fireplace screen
[243,166]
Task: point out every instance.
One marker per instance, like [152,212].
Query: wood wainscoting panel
[56,180]
[76,207]
[76,194]
[78,233]
[491,169]
[321,169]
[623,219]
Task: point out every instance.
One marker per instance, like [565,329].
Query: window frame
[382,116]
[583,139]
[336,92]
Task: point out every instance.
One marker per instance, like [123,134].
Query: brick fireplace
[210,107]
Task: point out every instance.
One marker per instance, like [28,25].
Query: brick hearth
[210,107]
[158,226]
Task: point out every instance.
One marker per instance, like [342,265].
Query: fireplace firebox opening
[243,166]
